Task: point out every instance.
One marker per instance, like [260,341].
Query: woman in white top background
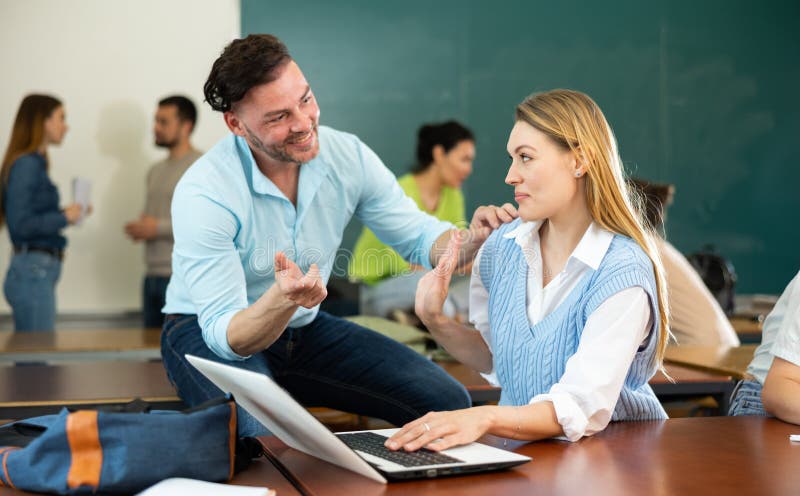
[569,301]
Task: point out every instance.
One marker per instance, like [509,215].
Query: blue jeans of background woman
[746,399]
[30,289]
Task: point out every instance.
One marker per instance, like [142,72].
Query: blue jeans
[154,295]
[330,362]
[746,399]
[30,288]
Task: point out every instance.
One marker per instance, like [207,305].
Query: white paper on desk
[81,194]
[192,487]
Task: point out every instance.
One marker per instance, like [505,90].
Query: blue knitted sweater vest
[530,360]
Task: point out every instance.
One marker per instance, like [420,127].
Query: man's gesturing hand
[306,290]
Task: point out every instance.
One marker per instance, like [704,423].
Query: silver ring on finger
[427,427]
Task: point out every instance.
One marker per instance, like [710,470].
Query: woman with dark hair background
[29,205]
[445,153]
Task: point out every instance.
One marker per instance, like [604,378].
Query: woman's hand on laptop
[438,431]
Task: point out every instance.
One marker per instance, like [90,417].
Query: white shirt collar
[522,230]
[590,250]
[593,245]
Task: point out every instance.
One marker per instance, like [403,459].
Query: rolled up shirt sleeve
[586,395]
[394,217]
[206,256]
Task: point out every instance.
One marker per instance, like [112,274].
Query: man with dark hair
[258,221]
[185,109]
[174,122]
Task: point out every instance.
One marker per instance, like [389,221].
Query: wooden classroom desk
[692,456]
[31,390]
[39,389]
[79,344]
[687,383]
[261,473]
[725,360]
[748,329]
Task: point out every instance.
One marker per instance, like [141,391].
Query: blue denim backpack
[89,451]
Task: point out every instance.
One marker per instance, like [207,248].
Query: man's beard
[279,152]
[162,143]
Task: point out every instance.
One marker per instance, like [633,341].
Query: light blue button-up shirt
[229,220]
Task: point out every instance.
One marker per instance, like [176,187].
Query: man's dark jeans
[330,362]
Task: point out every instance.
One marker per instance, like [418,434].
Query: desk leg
[724,399]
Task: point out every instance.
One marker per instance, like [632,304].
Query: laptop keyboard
[369,442]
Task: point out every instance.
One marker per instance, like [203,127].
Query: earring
[578,173]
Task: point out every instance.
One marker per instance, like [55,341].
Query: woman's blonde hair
[574,121]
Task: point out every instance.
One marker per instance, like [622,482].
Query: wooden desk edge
[722,371]
[151,399]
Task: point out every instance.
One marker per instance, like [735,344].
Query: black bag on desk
[718,275]
[123,450]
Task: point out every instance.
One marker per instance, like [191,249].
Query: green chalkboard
[702,94]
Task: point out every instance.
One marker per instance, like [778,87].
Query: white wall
[109,62]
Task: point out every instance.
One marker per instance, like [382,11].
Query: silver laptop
[362,451]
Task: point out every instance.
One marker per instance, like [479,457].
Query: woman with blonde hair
[29,205]
[569,300]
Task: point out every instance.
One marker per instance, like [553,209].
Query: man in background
[174,122]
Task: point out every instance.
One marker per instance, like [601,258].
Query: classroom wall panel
[700,94]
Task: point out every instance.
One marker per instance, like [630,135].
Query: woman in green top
[444,160]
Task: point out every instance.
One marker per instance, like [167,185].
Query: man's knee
[450,396]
